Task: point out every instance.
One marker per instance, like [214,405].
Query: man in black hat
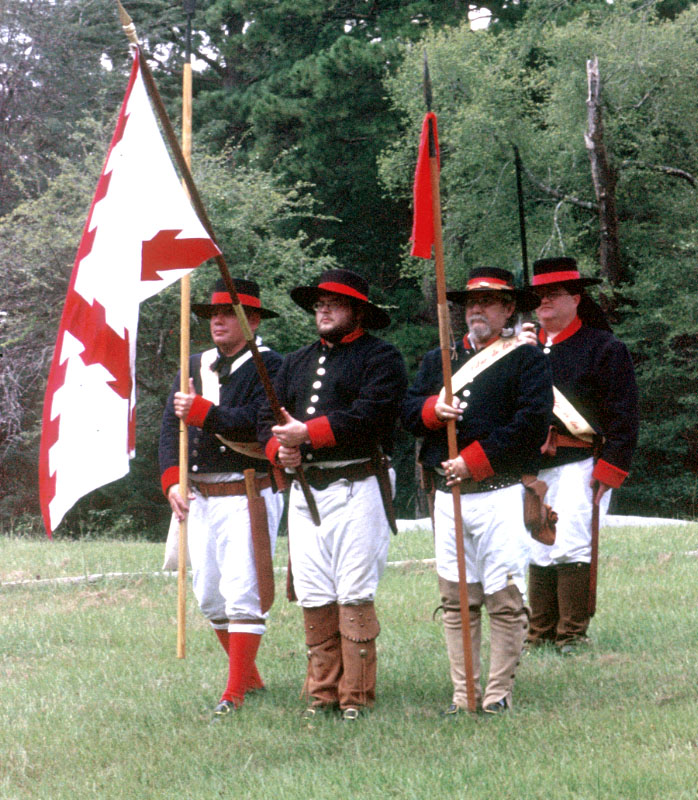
[589,449]
[220,410]
[341,396]
[502,402]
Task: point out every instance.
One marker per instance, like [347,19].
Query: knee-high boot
[450,600]
[542,595]
[573,602]
[324,654]
[358,626]
[508,625]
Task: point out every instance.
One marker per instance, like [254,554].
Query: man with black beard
[502,403]
[341,396]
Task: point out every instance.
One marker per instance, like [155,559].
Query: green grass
[94,703]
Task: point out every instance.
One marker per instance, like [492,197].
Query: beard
[337,332]
[479,328]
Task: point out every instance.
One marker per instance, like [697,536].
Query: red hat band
[488,283]
[555,277]
[342,288]
[224,299]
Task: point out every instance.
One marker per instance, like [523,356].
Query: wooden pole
[444,342]
[184,337]
[195,197]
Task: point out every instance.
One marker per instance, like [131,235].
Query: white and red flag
[141,235]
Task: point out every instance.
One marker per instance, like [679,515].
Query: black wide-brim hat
[348,284]
[487,279]
[561,269]
[248,294]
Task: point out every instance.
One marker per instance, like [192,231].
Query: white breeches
[223,568]
[570,495]
[497,544]
[342,560]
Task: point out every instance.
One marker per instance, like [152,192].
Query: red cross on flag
[141,235]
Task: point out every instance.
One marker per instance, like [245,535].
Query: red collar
[468,346]
[565,333]
[350,337]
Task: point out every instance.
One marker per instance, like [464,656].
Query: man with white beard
[502,410]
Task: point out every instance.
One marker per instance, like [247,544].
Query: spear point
[427,83]
[127,24]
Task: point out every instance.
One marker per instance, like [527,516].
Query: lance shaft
[526,316]
[195,197]
[522,217]
[444,338]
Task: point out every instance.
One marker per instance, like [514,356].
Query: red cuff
[168,478]
[429,418]
[608,474]
[271,449]
[320,433]
[477,462]
[198,411]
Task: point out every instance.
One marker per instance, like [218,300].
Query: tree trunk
[604,177]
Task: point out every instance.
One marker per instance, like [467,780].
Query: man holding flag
[477,447]
[229,545]
[502,400]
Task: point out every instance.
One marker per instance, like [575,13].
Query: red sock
[223,635]
[242,652]
[254,680]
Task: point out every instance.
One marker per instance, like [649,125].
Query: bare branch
[556,194]
[604,177]
[673,172]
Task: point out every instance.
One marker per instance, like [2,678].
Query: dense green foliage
[306,122]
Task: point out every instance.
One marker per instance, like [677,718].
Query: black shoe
[452,711]
[224,708]
[496,708]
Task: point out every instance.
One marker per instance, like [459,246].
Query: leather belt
[321,478]
[476,487]
[229,488]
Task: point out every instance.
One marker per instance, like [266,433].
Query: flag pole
[161,111]
[444,343]
[184,338]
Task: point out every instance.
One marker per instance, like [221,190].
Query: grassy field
[94,703]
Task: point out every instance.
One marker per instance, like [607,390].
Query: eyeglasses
[551,294]
[329,305]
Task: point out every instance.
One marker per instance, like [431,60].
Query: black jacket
[506,418]
[349,395]
[594,371]
[235,418]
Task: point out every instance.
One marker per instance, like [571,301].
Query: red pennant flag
[141,235]
[423,220]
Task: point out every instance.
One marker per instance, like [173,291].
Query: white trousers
[496,542]
[342,559]
[570,495]
[223,568]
